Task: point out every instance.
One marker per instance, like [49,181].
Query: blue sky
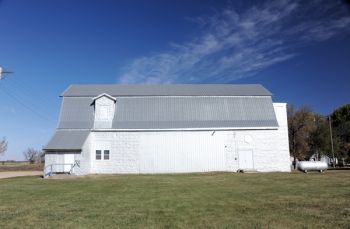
[299,50]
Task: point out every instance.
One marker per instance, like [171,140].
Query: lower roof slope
[67,140]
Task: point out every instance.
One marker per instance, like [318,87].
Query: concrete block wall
[123,148]
[273,149]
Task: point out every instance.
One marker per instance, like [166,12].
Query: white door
[68,162]
[245,159]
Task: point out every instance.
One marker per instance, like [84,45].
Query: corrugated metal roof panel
[70,140]
[194,112]
[167,90]
[76,113]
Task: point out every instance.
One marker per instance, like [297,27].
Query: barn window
[98,154]
[106,155]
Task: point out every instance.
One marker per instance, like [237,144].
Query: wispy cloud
[234,44]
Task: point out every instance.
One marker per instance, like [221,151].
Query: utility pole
[330,131]
[3,73]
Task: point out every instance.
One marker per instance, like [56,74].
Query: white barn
[168,129]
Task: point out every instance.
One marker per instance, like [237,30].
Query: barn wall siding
[54,159]
[83,159]
[188,151]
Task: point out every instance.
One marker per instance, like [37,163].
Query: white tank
[312,166]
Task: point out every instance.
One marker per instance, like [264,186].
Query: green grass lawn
[221,200]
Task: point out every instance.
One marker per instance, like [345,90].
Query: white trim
[106,95]
[66,90]
[173,129]
[280,104]
[103,154]
[185,129]
[146,96]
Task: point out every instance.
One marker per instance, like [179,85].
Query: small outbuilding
[168,129]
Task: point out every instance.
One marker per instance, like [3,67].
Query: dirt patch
[19,174]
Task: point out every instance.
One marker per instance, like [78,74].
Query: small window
[98,154]
[106,155]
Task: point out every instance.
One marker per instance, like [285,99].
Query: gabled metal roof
[174,112]
[159,107]
[67,140]
[166,90]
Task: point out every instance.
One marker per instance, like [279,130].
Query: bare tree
[41,157]
[32,155]
[3,146]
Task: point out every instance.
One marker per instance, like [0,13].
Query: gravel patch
[19,174]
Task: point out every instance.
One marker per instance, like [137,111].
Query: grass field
[19,166]
[221,200]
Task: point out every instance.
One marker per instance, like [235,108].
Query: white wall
[83,160]
[182,152]
[188,151]
[124,152]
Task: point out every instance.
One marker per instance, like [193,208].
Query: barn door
[245,159]
[174,152]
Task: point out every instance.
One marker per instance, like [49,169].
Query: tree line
[311,133]
[31,155]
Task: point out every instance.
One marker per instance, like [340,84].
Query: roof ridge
[166,90]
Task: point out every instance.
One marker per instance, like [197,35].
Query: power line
[23,89]
[28,92]
[24,105]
